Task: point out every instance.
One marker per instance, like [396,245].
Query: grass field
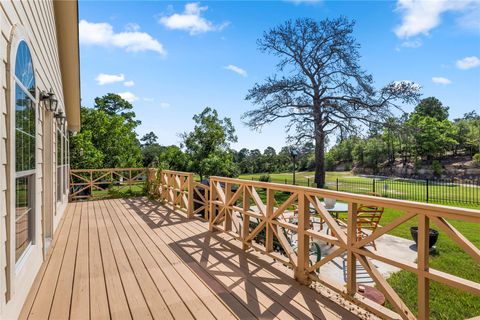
[120,192]
[445,302]
[443,192]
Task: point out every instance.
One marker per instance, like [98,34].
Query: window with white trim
[62,161]
[25,140]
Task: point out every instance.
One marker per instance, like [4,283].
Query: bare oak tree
[322,89]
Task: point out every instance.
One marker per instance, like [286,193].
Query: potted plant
[432,237]
[329,202]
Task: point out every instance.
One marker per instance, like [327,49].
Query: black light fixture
[51,104]
[60,117]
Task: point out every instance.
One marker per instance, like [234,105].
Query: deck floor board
[134,258]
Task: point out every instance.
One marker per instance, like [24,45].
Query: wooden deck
[133,258]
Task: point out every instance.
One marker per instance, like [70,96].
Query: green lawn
[119,192]
[445,302]
[446,193]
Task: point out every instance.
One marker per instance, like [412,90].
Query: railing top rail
[105,169]
[359,198]
[181,173]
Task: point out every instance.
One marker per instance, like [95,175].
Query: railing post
[422,264]
[207,203]
[190,195]
[303,240]
[228,211]
[211,204]
[245,217]
[91,183]
[373,185]
[351,239]
[269,226]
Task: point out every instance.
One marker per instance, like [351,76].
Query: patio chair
[368,218]
[315,250]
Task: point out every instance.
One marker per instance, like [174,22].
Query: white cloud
[441,80]
[130,97]
[468,63]
[164,105]
[104,78]
[420,16]
[148,99]
[129,83]
[131,40]
[191,20]
[411,44]
[471,19]
[236,69]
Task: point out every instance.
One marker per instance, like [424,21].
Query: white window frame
[31,174]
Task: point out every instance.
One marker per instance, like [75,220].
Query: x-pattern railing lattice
[231,205]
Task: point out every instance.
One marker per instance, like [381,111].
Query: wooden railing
[180,190]
[233,203]
[85,183]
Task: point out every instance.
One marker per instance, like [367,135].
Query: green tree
[472,137]
[374,153]
[320,86]
[358,153]
[151,153]
[83,153]
[149,138]
[432,107]
[173,158]
[112,104]
[432,137]
[107,138]
[269,160]
[208,145]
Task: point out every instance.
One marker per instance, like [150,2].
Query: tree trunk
[320,159]
[319,149]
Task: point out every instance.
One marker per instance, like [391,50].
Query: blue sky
[172,59]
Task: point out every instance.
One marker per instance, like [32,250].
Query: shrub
[329,161]
[417,165]
[436,167]
[264,178]
[476,158]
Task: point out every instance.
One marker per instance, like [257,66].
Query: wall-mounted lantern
[60,117]
[48,98]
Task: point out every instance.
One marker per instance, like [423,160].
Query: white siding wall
[36,21]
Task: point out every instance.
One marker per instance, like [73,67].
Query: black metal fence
[433,191]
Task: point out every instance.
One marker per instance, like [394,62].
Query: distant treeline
[425,135]
[108,139]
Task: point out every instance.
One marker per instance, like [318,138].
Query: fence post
[426,194]
[351,239]
[269,226]
[373,185]
[285,180]
[308,182]
[423,255]
[190,196]
[303,255]
[337,184]
[211,209]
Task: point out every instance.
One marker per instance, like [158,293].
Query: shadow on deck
[134,258]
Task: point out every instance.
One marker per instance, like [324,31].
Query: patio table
[338,208]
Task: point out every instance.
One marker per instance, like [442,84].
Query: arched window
[25,130]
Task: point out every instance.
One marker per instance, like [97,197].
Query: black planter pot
[432,239]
